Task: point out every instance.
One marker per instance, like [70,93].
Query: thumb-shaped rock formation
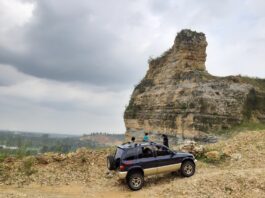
[180,98]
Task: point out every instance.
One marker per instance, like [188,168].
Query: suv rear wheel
[135,180]
[187,168]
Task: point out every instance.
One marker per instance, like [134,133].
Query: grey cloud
[71,42]
[9,75]
[99,42]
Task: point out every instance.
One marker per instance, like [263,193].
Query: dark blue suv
[133,161]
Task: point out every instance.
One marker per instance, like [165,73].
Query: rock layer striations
[179,97]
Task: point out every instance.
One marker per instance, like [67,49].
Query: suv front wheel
[135,180]
[187,168]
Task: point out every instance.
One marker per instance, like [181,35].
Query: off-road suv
[133,161]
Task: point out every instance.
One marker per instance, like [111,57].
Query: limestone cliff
[179,97]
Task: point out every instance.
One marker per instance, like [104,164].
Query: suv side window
[161,150]
[145,152]
[130,154]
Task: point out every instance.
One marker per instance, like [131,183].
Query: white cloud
[13,15]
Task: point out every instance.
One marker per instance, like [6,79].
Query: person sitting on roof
[146,138]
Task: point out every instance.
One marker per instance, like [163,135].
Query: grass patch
[246,126]
[212,161]
[27,166]
[141,87]
[256,82]
[183,106]
[4,173]
[2,170]
[159,60]
[2,156]
[219,158]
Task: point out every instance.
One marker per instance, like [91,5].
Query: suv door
[147,160]
[165,159]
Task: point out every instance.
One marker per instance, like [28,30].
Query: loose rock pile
[193,147]
[83,166]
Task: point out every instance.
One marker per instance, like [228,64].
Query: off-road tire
[111,162]
[135,181]
[187,168]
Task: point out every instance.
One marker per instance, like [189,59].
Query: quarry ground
[240,172]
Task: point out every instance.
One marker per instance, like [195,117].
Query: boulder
[236,156]
[59,157]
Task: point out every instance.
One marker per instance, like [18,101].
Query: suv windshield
[118,154]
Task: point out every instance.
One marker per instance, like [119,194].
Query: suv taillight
[122,167]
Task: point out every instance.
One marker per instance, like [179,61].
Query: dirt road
[206,183]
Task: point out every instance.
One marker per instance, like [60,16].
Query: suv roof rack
[135,144]
[125,143]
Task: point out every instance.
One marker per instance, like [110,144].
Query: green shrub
[3,172]
[27,166]
[83,159]
[215,161]
[246,126]
[250,104]
[183,106]
[143,84]
[2,156]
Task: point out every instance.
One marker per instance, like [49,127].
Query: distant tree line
[32,143]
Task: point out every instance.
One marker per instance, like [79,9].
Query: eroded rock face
[179,97]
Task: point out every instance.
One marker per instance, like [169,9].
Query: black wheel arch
[134,170]
[188,159]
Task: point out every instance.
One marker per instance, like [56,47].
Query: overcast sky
[70,66]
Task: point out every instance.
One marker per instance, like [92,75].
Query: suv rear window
[119,153]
